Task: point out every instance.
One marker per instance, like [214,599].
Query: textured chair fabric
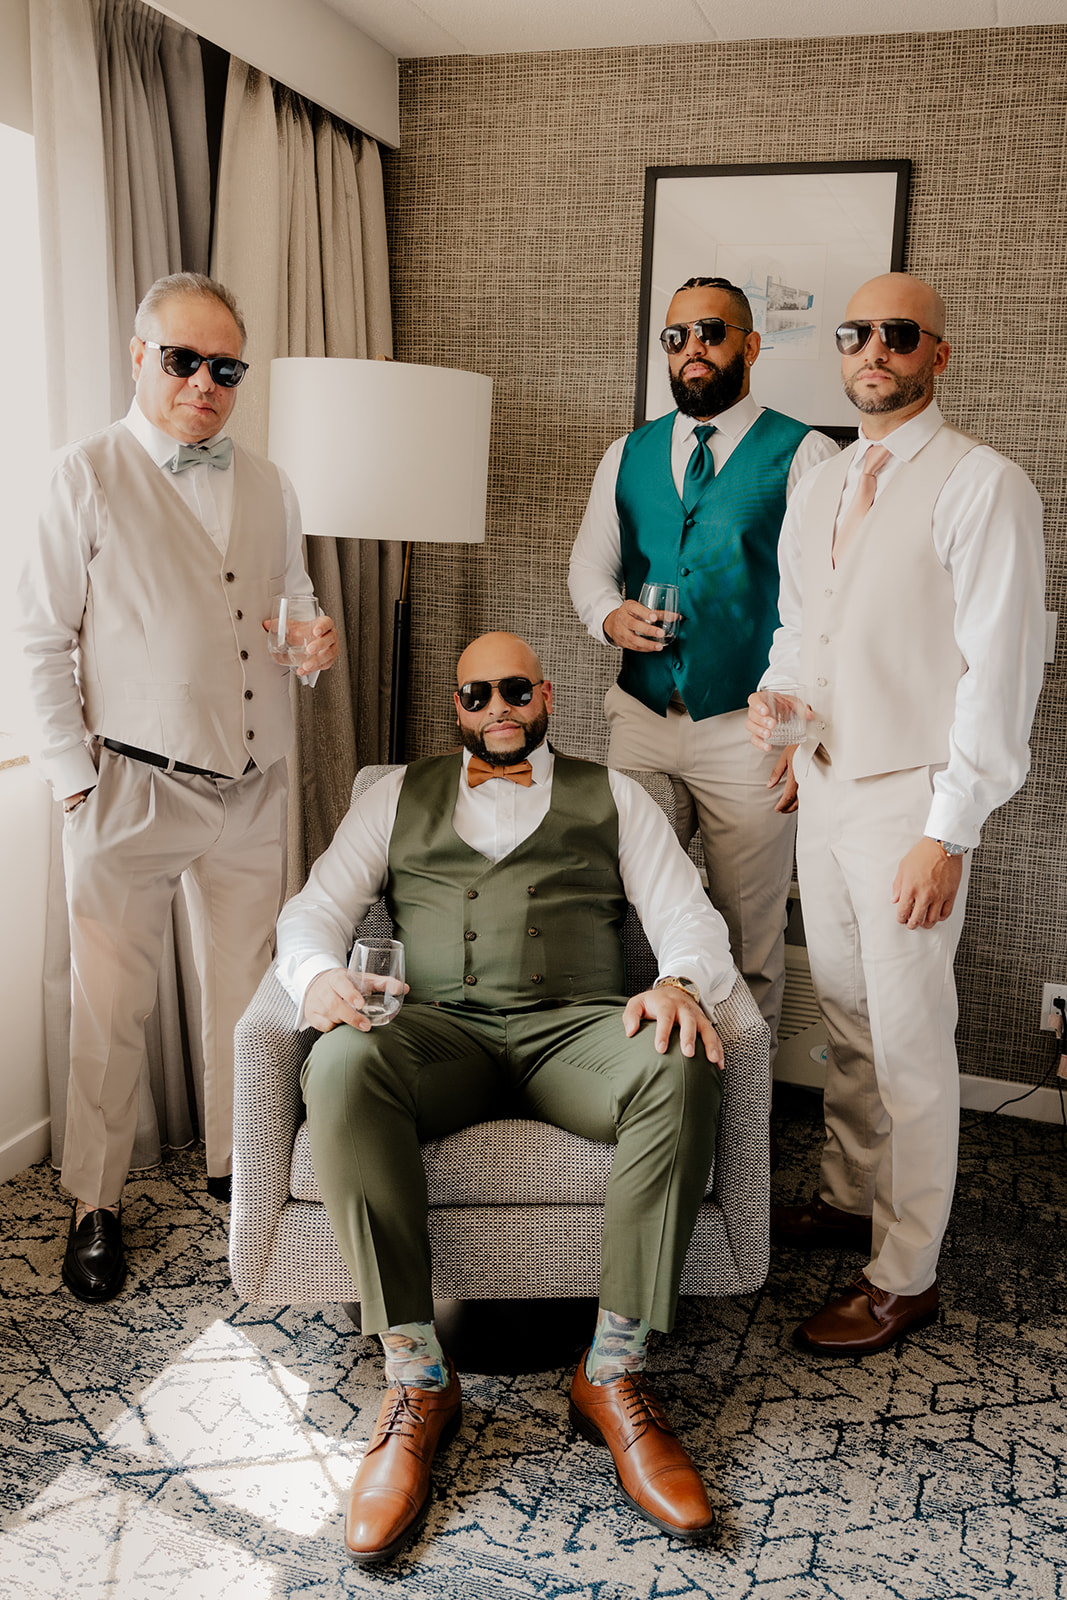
[516,1206]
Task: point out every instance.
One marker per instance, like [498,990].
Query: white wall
[25,813]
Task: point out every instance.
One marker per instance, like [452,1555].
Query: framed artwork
[799,239]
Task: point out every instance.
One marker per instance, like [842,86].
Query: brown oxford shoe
[391,1494]
[865,1319]
[817,1225]
[654,1472]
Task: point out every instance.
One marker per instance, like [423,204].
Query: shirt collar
[734,421]
[160,446]
[540,762]
[906,441]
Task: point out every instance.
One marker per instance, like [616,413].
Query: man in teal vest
[507,870]
[696,499]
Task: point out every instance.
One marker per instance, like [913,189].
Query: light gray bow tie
[219,454]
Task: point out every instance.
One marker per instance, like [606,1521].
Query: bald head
[898,294]
[498,655]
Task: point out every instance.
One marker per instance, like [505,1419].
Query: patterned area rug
[177,1444]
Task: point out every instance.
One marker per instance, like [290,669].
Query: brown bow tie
[479,771]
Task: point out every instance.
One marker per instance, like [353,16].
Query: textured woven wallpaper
[515,211]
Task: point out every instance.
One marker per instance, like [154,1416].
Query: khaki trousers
[125,850]
[888,998]
[720,779]
[372,1097]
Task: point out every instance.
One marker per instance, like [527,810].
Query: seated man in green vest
[696,499]
[507,870]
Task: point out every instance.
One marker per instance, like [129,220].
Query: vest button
[472,894]
[685,572]
[824,638]
[470,978]
[689,521]
[250,734]
[821,682]
[230,577]
[470,934]
[828,593]
[239,615]
[535,977]
[248,694]
[533,932]
[244,655]
[532,889]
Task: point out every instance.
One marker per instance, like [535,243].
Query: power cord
[1058,1069]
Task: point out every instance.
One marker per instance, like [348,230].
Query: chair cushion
[514,1162]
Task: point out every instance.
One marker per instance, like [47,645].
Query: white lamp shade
[383,449]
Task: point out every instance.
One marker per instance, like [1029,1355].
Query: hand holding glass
[291,628]
[789,708]
[663,597]
[376,967]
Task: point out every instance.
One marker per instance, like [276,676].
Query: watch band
[686,985]
[953,849]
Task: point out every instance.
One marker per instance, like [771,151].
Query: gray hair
[184,283]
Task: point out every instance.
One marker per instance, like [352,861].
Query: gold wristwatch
[685,984]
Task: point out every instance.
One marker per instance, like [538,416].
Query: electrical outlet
[1051,992]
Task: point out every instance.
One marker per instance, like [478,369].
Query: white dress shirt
[595,577]
[54,586]
[686,932]
[987,535]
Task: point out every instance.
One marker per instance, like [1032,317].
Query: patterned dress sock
[414,1357]
[618,1347]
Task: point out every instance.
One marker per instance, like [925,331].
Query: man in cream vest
[696,498]
[912,607]
[507,869]
[163,727]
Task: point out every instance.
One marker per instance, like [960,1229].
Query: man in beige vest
[507,869]
[163,727]
[912,614]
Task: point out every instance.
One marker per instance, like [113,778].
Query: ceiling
[494,27]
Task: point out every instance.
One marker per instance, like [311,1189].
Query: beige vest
[173,653]
[877,644]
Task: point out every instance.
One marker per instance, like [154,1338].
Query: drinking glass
[663,597]
[788,707]
[376,967]
[290,628]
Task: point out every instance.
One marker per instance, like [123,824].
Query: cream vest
[173,653]
[878,649]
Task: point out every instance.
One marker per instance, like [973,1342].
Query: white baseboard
[800,1061]
[25,1150]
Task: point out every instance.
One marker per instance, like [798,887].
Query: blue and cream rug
[176,1444]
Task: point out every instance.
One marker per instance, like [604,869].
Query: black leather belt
[153,760]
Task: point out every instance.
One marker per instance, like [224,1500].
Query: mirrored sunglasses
[515,691]
[709,330]
[900,335]
[177,362]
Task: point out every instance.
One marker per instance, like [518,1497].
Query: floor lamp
[384,450]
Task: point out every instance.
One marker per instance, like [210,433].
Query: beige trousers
[125,850]
[720,779]
[888,998]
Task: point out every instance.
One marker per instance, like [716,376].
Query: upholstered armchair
[516,1206]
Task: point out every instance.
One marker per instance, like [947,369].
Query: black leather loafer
[94,1267]
[220,1188]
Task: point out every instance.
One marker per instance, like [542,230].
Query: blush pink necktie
[873,461]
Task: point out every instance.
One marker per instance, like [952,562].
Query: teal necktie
[701,466]
[219,454]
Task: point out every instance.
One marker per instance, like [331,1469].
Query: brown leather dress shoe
[654,1472]
[865,1319]
[817,1225]
[391,1494]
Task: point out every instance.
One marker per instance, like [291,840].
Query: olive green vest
[541,926]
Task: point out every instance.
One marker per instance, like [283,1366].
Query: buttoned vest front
[878,650]
[541,926]
[721,551]
[173,653]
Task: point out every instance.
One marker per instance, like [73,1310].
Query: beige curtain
[120,131]
[300,239]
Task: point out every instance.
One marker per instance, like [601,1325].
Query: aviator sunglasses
[515,691]
[900,335]
[177,362]
[709,330]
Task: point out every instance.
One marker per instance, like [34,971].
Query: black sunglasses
[899,335]
[177,362]
[477,695]
[709,330]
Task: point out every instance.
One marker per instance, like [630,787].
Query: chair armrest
[742,1159]
[269,1052]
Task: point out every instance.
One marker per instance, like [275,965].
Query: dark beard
[535,733]
[908,389]
[707,397]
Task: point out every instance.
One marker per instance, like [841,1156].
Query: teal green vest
[722,553]
[540,926]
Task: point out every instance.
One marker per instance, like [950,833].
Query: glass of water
[376,967]
[789,708]
[663,598]
[291,628]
